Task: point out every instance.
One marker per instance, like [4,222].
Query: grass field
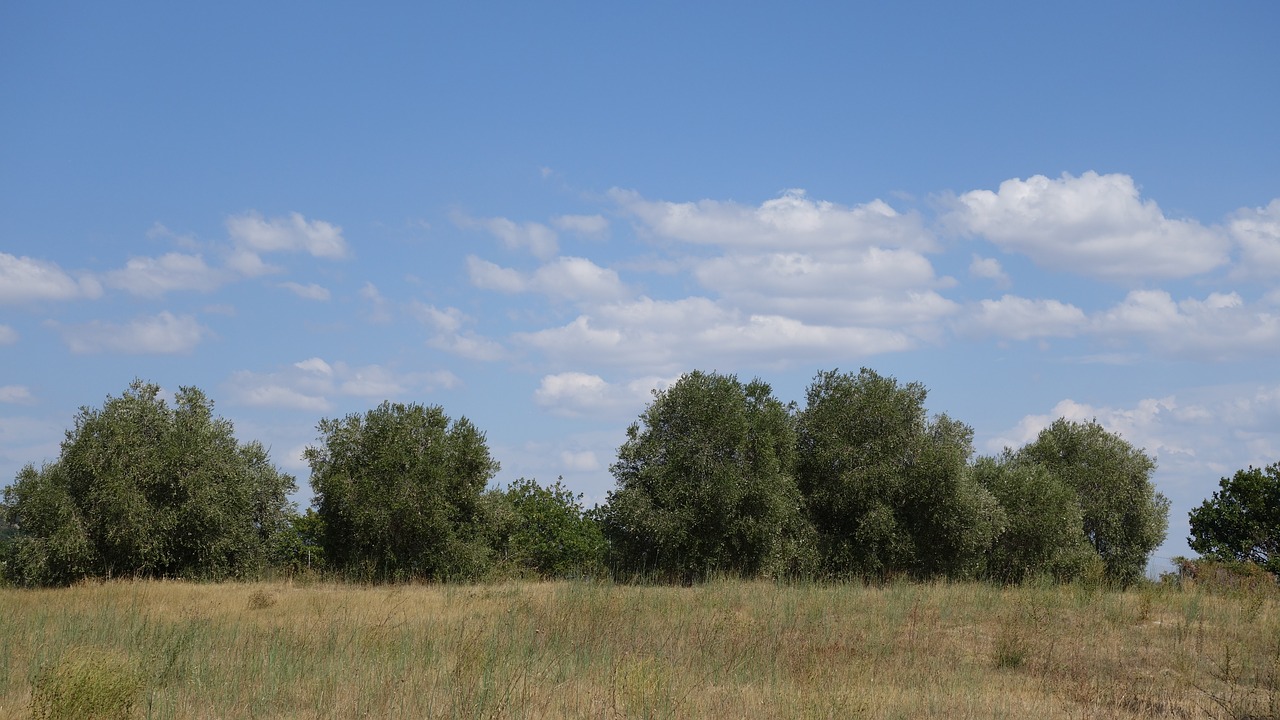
[727,649]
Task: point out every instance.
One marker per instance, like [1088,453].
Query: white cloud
[8,335]
[311,384]
[1022,318]
[294,233]
[1094,225]
[1257,231]
[592,226]
[469,345]
[165,333]
[863,286]
[671,335]
[537,238]
[16,394]
[25,279]
[791,221]
[1219,327]
[310,291]
[576,394]
[449,336]
[565,278]
[449,320]
[989,269]
[153,277]
[489,276]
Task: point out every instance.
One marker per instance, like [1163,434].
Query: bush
[86,684]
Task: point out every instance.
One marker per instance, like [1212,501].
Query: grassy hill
[581,650]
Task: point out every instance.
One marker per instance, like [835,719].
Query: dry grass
[727,649]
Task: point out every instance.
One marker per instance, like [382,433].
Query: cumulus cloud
[310,291]
[1094,225]
[537,238]
[449,335]
[153,277]
[251,231]
[8,335]
[592,226]
[1257,232]
[1220,326]
[577,394]
[791,221]
[1022,318]
[668,335]
[565,278]
[312,383]
[164,333]
[989,269]
[26,279]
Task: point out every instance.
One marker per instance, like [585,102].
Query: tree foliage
[144,489]
[1044,525]
[704,484]
[886,486]
[546,530]
[398,490]
[1241,521]
[1124,518]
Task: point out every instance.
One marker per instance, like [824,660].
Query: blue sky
[533,214]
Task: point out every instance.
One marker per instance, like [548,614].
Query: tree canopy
[1241,521]
[142,488]
[886,485]
[704,483]
[1124,517]
[398,491]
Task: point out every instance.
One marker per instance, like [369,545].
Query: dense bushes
[716,477]
[144,489]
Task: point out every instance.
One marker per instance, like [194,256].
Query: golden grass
[728,649]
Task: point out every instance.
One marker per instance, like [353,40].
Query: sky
[534,214]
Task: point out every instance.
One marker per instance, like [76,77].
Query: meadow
[726,649]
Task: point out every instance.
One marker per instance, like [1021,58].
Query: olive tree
[1124,517]
[1241,522]
[704,484]
[142,488]
[1044,525]
[886,486]
[398,491]
[545,530]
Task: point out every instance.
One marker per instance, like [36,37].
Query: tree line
[715,477]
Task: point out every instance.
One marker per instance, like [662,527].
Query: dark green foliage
[143,489]
[1124,518]
[546,531]
[1241,522]
[300,547]
[1044,526]
[399,492]
[887,488]
[704,484]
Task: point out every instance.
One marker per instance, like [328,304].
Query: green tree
[1241,522]
[399,492]
[704,484]
[1124,517]
[1044,526]
[144,489]
[886,487]
[546,530]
